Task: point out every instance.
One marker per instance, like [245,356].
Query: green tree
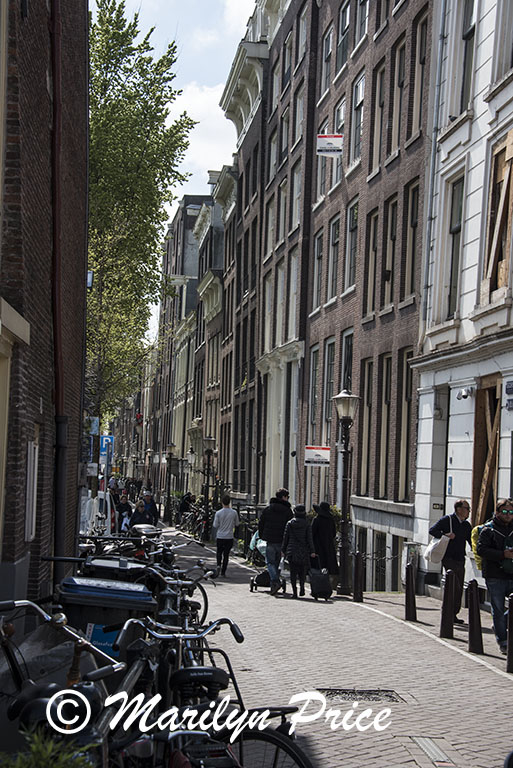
[135,152]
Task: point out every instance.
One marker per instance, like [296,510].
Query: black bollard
[509,655]
[410,607]
[447,620]
[475,637]
[358,579]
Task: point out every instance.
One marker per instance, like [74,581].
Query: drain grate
[360,694]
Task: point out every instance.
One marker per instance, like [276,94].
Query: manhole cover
[360,694]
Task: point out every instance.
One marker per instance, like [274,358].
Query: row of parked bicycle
[139,643]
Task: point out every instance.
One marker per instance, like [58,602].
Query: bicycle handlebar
[148,625]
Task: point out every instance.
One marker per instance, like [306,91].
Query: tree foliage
[135,152]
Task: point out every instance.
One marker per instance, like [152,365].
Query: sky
[206,33]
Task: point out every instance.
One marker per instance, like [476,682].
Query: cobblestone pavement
[451,706]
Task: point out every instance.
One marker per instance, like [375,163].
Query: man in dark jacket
[324,532]
[495,546]
[457,528]
[271,528]
[151,507]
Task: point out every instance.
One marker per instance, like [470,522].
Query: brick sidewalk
[447,699]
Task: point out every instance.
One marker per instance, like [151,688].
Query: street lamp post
[208,448]
[190,461]
[169,459]
[346,405]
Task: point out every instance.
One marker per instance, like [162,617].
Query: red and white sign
[317,456]
[330,144]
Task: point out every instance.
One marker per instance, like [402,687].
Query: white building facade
[465,352]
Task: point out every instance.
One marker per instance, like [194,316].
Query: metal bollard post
[410,607]
[475,637]
[509,655]
[447,620]
[358,578]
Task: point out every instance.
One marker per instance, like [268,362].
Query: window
[284,134]
[287,60]
[280,304]
[292,302]
[301,34]
[343,35]
[327,44]
[296,195]
[268,308]
[254,180]
[387,278]
[468,34]
[333,258]
[275,86]
[379,110]
[382,7]
[339,125]
[322,165]
[404,451]
[269,232]
[362,12]
[384,437]
[314,371]
[329,376]
[282,211]
[398,92]
[351,245]
[358,93]
[500,219]
[420,74]
[455,226]
[412,210]
[299,106]
[273,155]
[317,277]
[347,360]
[366,417]
[504,39]
[372,260]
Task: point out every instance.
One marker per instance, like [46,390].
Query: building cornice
[277,358]
[203,223]
[210,291]
[243,90]
[480,348]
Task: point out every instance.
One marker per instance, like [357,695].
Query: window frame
[317,274]
[343,25]
[358,100]
[351,249]
[333,257]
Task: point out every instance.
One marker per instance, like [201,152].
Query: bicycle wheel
[267,749]
[198,593]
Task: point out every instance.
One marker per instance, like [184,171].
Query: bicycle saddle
[150,531]
[201,675]
[29,692]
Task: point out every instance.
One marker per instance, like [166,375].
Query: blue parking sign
[104,439]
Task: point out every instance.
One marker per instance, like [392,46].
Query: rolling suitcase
[320,584]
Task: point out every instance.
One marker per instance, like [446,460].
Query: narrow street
[293,646]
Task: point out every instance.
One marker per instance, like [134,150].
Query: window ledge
[386,310]
[373,174]
[368,318]
[283,162]
[390,159]
[285,89]
[380,30]
[255,195]
[407,302]
[294,229]
[449,129]
[279,243]
[348,291]
[299,63]
[497,87]
[487,309]
[322,98]
[397,6]
[335,186]
[359,45]
[318,203]
[354,167]
[296,144]
[413,138]
[446,325]
[267,257]
[339,74]
[330,302]
[314,312]
[273,112]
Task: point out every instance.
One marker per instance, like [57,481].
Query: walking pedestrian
[151,507]
[495,546]
[271,528]
[124,510]
[226,520]
[141,515]
[457,528]
[298,548]
[324,532]
[184,508]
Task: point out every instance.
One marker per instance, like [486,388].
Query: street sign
[317,456]
[104,439]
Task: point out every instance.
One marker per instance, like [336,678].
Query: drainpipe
[432,170]
[61,419]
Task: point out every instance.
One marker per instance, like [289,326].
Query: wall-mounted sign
[317,456]
[449,485]
[509,387]
[438,506]
[330,144]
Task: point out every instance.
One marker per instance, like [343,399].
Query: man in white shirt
[225,521]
